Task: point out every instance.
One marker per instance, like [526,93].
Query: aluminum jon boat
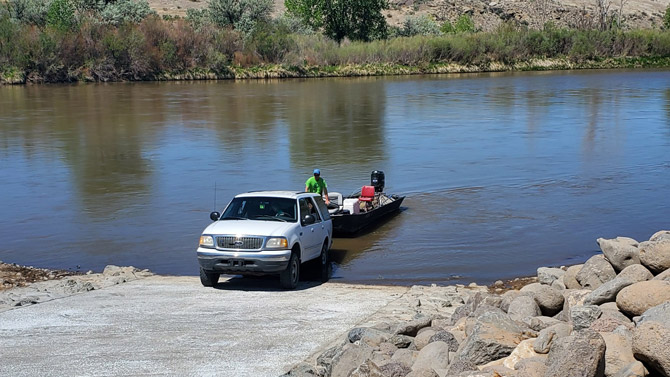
[353,213]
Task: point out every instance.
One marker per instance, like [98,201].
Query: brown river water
[503,173]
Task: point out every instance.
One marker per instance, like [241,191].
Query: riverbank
[156,50]
[363,70]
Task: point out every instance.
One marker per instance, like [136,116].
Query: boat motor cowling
[377,180]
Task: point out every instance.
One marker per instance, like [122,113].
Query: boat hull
[345,225]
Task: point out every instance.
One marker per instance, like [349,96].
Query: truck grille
[246,243]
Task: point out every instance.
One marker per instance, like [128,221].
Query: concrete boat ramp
[161,325]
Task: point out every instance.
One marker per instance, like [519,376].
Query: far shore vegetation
[119,40]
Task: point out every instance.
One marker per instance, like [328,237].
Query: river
[503,172]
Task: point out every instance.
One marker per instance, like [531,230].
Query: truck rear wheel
[208,279]
[325,267]
[288,279]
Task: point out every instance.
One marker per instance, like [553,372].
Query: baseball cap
[317,171]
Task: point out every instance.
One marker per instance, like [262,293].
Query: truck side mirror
[214,216]
[308,220]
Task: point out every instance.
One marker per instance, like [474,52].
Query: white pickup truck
[267,232]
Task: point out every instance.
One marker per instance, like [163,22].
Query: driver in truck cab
[317,185]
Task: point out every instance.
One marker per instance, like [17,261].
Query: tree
[666,18]
[354,19]
[240,14]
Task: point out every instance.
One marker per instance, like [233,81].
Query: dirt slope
[487,14]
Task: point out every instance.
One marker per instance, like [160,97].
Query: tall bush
[420,25]
[242,15]
[61,15]
[122,11]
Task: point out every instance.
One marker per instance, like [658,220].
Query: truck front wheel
[288,279]
[208,279]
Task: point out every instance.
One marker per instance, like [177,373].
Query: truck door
[310,235]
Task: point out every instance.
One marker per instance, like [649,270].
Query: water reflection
[504,172]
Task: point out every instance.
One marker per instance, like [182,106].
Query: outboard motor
[377,180]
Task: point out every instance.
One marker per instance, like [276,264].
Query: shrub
[447,27]
[272,42]
[61,15]
[464,24]
[32,12]
[420,25]
[666,18]
[240,14]
[122,11]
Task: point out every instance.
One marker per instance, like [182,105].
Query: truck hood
[249,227]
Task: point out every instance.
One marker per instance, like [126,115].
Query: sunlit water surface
[503,173]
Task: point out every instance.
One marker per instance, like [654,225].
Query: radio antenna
[214,195]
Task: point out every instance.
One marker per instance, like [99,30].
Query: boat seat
[335,197]
[367,194]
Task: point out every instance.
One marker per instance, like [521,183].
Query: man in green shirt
[318,185]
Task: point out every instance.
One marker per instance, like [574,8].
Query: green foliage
[61,15]
[464,24]
[272,41]
[294,24]
[666,18]
[198,18]
[447,27]
[32,12]
[242,15]
[358,20]
[123,11]
[420,25]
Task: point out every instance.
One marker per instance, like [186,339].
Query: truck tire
[208,279]
[324,263]
[288,279]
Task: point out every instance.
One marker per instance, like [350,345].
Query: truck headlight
[277,243]
[206,241]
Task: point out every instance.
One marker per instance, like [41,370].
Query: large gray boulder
[349,358]
[434,356]
[596,271]
[447,337]
[406,356]
[547,336]
[620,252]
[581,354]
[660,235]
[573,298]
[507,299]
[607,292]
[411,328]
[637,298]
[655,255]
[423,373]
[659,313]
[634,369]
[368,369]
[635,273]
[548,299]
[610,320]
[547,276]
[570,277]
[522,307]
[531,367]
[651,345]
[665,275]
[368,335]
[583,316]
[423,338]
[618,353]
[494,336]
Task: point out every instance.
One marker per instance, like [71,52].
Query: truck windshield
[261,208]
